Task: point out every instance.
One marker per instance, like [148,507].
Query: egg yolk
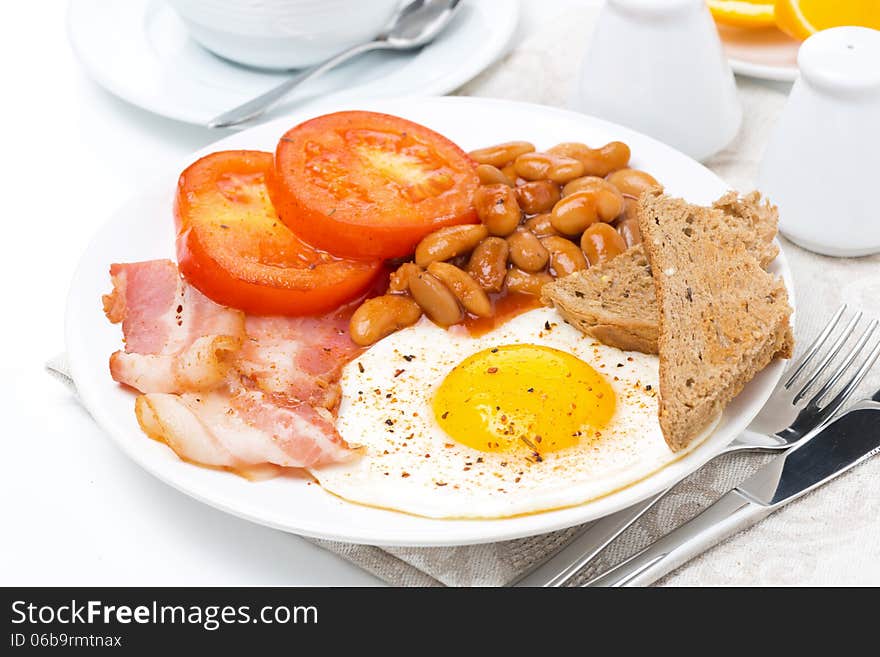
[523,397]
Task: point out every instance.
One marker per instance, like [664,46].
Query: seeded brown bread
[615,302]
[722,317]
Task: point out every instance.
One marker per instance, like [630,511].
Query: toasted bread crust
[632,338]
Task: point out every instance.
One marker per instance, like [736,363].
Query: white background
[74,510]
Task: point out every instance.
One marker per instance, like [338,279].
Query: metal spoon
[414,26]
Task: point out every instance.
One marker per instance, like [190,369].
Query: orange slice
[801,18]
[743,13]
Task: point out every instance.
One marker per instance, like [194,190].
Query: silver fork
[788,407]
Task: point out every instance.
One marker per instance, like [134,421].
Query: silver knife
[848,441]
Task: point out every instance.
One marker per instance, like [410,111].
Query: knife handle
[724,518]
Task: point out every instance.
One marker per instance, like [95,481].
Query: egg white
[410,464]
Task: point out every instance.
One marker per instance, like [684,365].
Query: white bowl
[283,34]
[822,160]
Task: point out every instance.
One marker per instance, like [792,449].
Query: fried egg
[529,417]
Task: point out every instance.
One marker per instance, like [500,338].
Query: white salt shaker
[822,165]
[658,66]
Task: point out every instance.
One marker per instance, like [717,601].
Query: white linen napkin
[834,530]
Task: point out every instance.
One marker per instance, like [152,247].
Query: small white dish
[822,159]
[143,229]
[141,51]
[766,54]
[282,34]
[657,66]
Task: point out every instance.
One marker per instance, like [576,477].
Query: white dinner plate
[140,51]
[142,229]
[768,54]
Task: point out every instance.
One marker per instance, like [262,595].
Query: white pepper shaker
[822,164]
[658,66]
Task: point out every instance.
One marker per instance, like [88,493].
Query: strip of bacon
[167,418]
[223,389]
[306,435]
[176,339]
[299,359]
[246,430]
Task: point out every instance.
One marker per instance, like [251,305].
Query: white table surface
[74,509]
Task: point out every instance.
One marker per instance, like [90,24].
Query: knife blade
[848,441]
[855,437]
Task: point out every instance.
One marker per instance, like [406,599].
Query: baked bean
[600,242]
[537,196]
[565,256]
[602,161]
[498,209]
[381,316]
[437,300]
[540,225]
[584,183]
[587,184]
[633,182]
[399,280]
[464,287]
[488,263]
[449,242]
[546,166]
[501,155]
[526,282]
[629,231]
[574,213]
[510,173]
[609,204]
[574,149]
[526,251]
[630,209]
[490,175]
[609,201]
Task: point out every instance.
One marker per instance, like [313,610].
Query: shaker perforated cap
[842,60]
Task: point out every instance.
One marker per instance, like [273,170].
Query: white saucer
[140,51]
[768,54]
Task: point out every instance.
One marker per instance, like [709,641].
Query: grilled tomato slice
[232,246]
[370,185]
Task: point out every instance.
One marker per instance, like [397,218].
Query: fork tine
[840,399]
[839,372]
[814,348]
[831,355]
